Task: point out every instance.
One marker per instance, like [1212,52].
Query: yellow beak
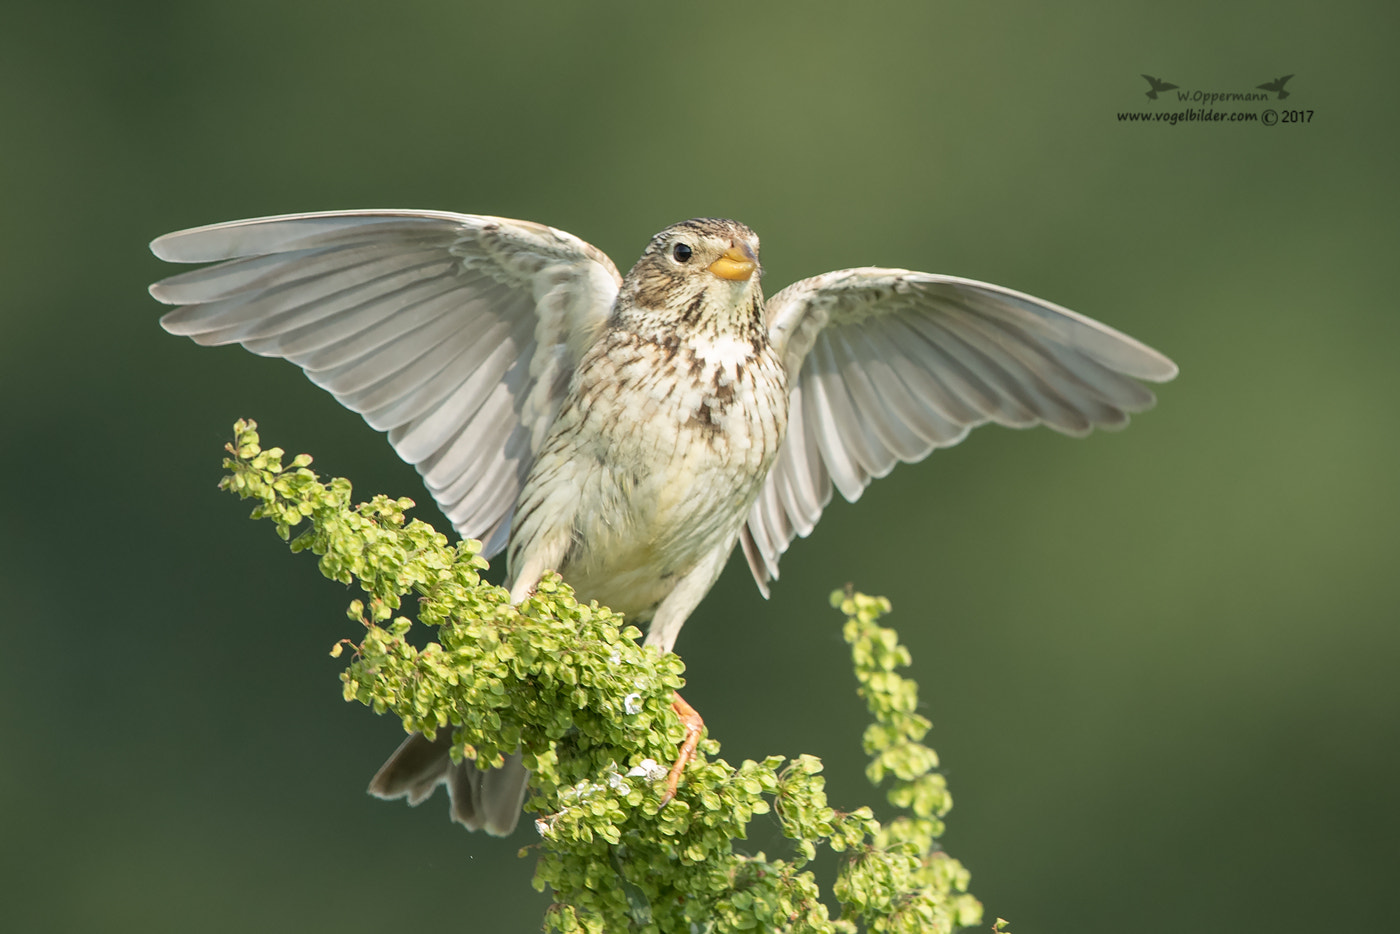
[737,263]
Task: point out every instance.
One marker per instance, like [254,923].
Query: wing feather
[990,394]
[454,333]
[923,417]
[882,411]
[886,365]
[804,467]
[829,417]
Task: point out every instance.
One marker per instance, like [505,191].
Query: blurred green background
[1162,665]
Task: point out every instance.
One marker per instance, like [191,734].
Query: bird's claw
[694,726]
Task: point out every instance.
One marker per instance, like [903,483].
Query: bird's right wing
[455,333]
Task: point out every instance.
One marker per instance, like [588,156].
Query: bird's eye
[681,252]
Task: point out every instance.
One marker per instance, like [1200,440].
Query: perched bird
[628,431]
[1276,85]
[1158,85]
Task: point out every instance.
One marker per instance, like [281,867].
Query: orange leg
[694,726]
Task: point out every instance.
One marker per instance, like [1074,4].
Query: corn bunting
[628,431]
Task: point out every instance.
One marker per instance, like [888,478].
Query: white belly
[654,468]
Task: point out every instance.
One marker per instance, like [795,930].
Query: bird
[1158,85]
[1276,85]
[629,431]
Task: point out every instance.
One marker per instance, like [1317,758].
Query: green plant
[571,687]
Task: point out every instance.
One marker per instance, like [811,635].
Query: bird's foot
[694,726]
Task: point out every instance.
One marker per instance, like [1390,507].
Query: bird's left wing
[455,333]
[886,364]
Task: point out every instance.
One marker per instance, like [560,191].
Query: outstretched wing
[455,333]
[886,364]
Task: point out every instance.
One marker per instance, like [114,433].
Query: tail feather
[416,768]
[481,799]
[488,799]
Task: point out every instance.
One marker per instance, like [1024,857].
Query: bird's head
[698,274]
